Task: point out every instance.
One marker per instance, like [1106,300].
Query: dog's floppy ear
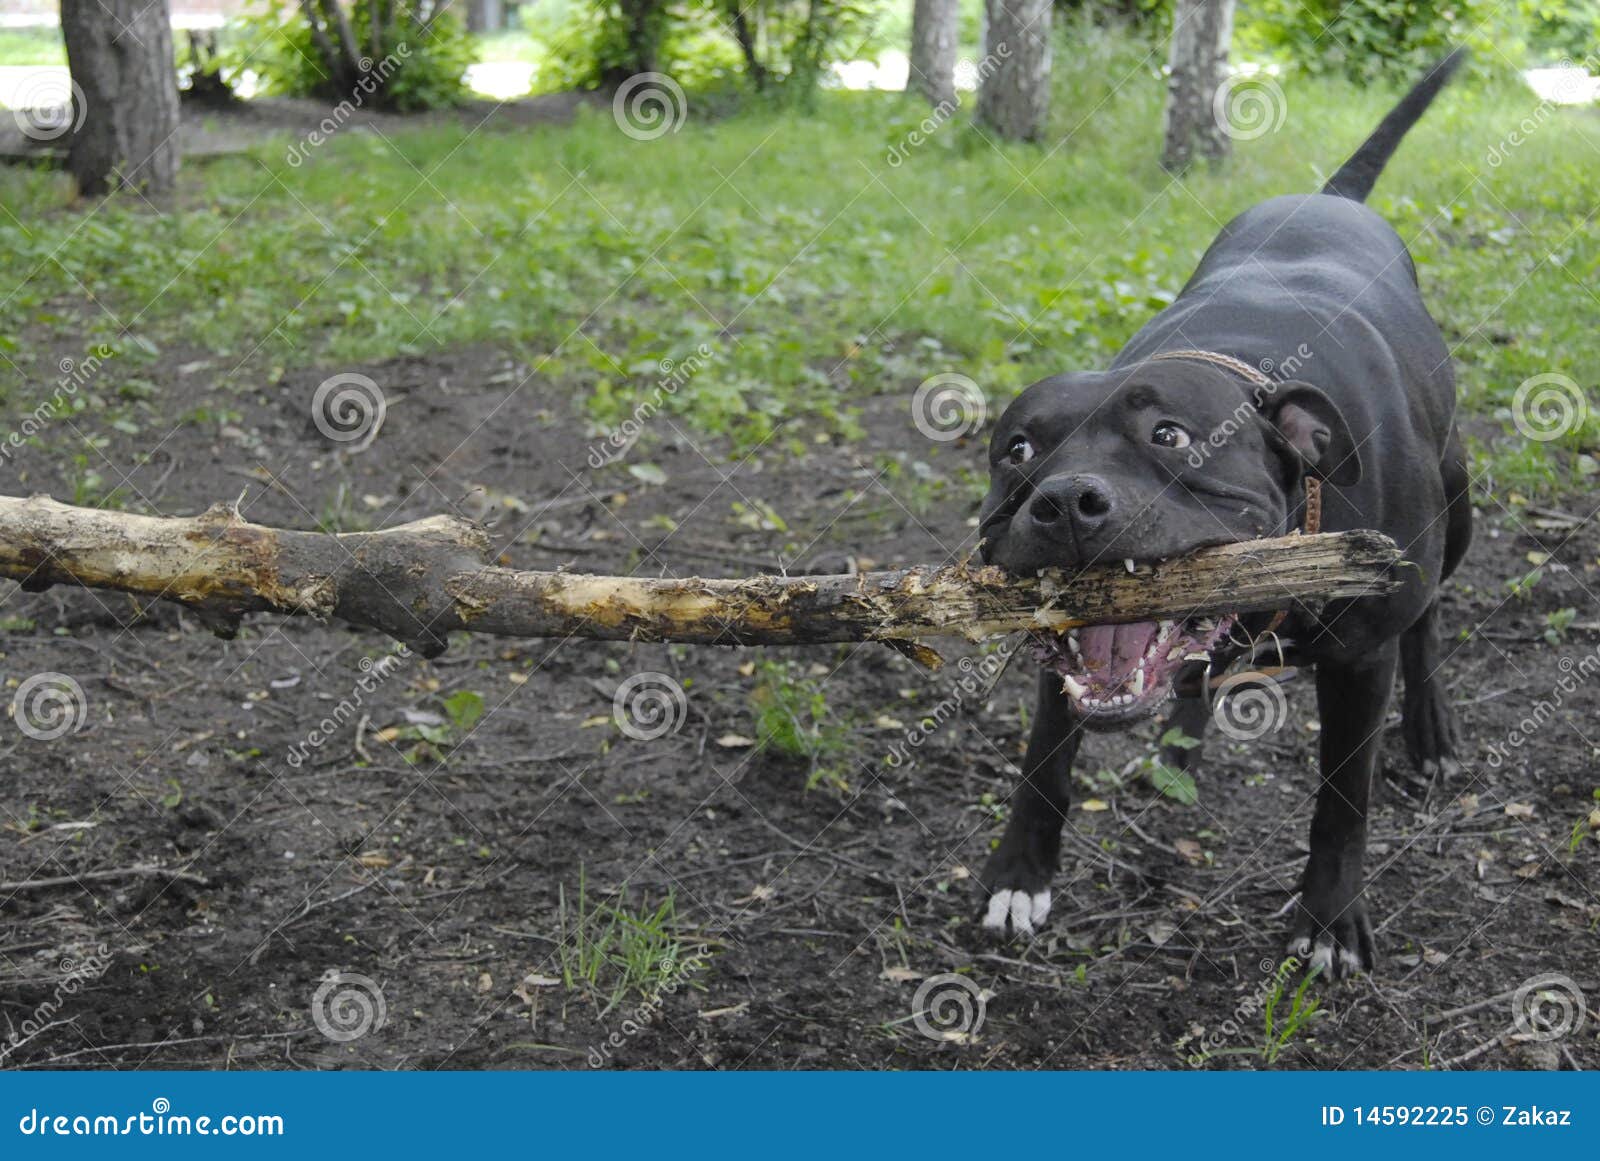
[1308,425]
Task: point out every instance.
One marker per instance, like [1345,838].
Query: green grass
[32,46]
[814,271]
[611,953]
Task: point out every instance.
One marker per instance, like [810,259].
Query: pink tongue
[1110,652]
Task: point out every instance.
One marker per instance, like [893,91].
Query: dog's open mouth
[1115,674]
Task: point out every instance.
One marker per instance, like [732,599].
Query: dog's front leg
[1332,929]
[1017,877]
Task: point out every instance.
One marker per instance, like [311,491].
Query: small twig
[143,871]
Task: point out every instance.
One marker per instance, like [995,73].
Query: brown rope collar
[1312,522]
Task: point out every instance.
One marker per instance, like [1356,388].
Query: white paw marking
[1350,962]
[1023,911]
[1323,958]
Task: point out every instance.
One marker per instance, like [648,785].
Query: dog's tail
[1357,176]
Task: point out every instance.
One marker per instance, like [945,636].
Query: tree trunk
[417,582]
[120,56]
[1015,98]
[934,25]
[483,16]
[1201,32]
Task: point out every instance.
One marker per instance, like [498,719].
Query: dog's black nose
[1084,502]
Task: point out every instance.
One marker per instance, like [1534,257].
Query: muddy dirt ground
[177,892]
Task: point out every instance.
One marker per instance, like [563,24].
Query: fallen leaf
[748,668]
[1519,810]
[900,975]
[376,860]
[1594,819]
[1190,850]
[597,720]
[1538,558]
[735,741]
[517,678]
[1094,805]
[1528,870]
[1161,931]
[885,722]
[485,983]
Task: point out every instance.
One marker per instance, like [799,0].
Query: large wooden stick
[418,581]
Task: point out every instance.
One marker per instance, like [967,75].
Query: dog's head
[1141,464]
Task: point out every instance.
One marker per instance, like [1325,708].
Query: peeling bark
[419,581]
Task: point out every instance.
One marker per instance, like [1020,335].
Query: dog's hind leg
[1016,880]
[1428,721]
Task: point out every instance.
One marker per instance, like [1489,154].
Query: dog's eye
[1019,450]
[1170,435]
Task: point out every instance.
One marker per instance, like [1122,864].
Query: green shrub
[1368,39]
[421,63]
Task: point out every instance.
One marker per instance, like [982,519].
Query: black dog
[1184,443]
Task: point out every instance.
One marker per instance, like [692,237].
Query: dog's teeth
[1127,563]
[1074,687]
[1138,684]
[1197,655]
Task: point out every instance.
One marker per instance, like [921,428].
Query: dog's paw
[1428,724]
[1016,913]
[1016,890]
[1340,947]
